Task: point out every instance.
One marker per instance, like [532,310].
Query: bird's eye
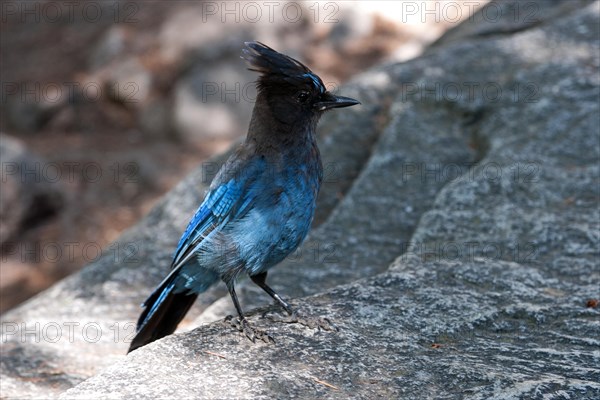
[303,97]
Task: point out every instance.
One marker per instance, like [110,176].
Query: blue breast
[280,219]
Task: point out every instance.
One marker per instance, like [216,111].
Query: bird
[260,205]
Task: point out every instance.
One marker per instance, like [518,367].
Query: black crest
[275,67]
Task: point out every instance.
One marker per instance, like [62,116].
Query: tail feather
[164,309]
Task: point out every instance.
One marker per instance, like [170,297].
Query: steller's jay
[260,205]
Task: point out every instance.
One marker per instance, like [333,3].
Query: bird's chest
[283,215]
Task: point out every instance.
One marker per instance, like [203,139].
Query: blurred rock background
[107,105]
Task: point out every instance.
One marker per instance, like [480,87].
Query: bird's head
[291,90]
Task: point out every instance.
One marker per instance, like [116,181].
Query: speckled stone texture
[456,247]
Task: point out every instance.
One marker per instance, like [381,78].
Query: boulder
[456,249]
[30,191]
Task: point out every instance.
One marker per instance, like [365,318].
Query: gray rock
[508,17]
[480,329]
[483,187]
[155,118]
[29,106]
[29,194]
[532,198]
[214,102]
[128,82]
[112,45]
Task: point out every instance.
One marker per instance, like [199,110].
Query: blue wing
[221,204]
[230,198]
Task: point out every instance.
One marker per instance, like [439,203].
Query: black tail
[164,309]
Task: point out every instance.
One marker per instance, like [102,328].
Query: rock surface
[30,190]
[456,249]
[31,195]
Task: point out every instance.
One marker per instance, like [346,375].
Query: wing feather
[219,205]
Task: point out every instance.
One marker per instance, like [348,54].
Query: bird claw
[251,333]
[298,317]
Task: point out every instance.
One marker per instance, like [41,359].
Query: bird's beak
[329,101]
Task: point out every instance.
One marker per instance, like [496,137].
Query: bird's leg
[294,316]
[243,325]
[260,280]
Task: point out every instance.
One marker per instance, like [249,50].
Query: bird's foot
[298,317]
[251,333]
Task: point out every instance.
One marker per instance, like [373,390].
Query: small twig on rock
[326,384]
[215,354]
